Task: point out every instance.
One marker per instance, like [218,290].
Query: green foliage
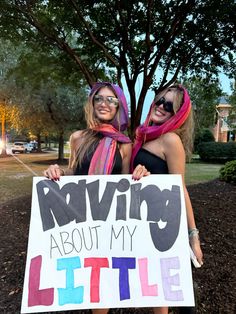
[47,93]
[204,135]
[129,38]
[217,151]
[43,86]
[228,172]
[232,101]
[204,94]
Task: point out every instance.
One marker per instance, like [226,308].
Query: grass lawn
[198,172]
[16,173]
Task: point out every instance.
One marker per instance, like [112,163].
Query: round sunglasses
[167,105]
[109,100]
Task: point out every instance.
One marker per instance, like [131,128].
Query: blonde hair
[186,130]
[90,136]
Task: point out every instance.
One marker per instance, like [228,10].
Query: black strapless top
[152,162]
[84,168]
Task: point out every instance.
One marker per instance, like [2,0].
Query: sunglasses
[167,105]
[109,100]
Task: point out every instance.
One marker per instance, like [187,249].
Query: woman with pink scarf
[162,145]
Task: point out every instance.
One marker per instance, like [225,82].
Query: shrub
[204,135]
[217,151]
[228,172]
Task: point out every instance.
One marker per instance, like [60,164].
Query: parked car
[31,147]
[19,147]
[35,145]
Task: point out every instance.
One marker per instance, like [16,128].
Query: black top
[84,168]
[152,162]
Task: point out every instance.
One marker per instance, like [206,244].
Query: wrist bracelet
[62,172]
[193,232]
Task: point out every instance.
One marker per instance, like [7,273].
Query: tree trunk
[39,142]
[61,146]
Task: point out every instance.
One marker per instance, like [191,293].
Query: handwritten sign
[105,242]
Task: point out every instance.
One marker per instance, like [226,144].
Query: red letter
[36,296]
[96,264]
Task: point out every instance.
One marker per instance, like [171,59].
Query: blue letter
[70,294]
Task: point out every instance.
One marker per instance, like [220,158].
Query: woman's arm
[75,141]
[175,157]
[125,151]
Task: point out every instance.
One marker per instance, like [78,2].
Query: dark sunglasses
[167,105]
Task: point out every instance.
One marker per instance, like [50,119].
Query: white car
[19,147]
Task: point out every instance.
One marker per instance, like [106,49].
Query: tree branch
[91,35]
[147,38]
[176,26]
[57,41]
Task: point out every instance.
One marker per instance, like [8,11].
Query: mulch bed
[215,283]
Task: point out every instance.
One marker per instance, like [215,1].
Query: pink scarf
[145,133]
[103,158]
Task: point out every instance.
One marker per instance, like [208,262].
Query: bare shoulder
[172,144]
[76,139]
[171,139]
[76,135]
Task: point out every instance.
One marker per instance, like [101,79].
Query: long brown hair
[90,137]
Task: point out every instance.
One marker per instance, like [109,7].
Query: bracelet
[62,171]
[193,232]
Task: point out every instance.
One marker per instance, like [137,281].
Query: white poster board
[107,242]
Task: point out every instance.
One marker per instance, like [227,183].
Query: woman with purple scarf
[102,148]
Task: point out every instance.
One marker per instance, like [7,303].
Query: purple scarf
[103,158]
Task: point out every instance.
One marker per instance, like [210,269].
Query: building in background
[223,131]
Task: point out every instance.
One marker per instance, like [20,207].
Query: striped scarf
[103,157]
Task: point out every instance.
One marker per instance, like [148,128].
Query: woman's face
[162,111]
[105,104]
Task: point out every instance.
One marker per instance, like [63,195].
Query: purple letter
[124,264]
[168,280]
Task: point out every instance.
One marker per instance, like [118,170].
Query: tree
[7,113]
[49,108]
[7,109]
[232,102]
[64,106]
[3,117]
[130,37]
[204,95]
[49,96]
[232,98]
